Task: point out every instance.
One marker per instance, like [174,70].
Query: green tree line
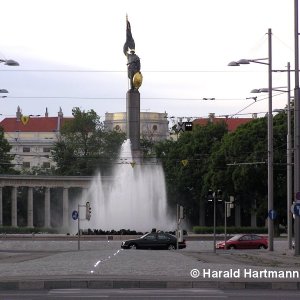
[208,157]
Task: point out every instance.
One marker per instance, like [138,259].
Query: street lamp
[296,128]
[288,148]
[270,134]
[9,62]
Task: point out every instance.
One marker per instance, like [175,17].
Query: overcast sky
[70,54]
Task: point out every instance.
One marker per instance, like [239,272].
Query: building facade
[153,125]
[32,138]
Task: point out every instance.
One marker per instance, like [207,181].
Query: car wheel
[171,247]
[231,247]
[262,247]
[132,246]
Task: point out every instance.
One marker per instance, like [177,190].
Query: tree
[5,158]
[185,163]
[85,146]
[238,166]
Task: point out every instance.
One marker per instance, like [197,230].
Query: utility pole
[296,129]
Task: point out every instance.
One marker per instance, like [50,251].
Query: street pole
[78,228]
[225,225]
[270,146]
[214,197]
[289,161]
[177,224]
[296,129]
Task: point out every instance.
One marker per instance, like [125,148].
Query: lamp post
[296,128]
[270,133]
[289,149]
[9,62]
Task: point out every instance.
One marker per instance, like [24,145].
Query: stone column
[47,208]
[14,213]
[30,207]
[65,207]
[133,121]
[1,208]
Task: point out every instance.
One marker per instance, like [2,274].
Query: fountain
[134,197]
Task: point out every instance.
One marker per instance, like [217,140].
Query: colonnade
[48,182]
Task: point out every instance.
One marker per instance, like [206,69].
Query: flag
[129,39]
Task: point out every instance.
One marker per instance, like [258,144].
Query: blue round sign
[297,209]
[272,214]
[75,215]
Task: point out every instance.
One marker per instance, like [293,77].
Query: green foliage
[85,146]
[231,230]
[211,158]
[185,163]
[15,230]
[5,158]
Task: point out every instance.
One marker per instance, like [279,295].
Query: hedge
[15,230]
[232,230]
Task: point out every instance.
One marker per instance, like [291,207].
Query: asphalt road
[25,258]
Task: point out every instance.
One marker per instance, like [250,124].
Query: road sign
[75,215]
[297,209]
[272,214]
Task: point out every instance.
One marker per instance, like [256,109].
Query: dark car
[244,241]
[154,240]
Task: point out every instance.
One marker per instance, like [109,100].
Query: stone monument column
[133,96]
[133,120]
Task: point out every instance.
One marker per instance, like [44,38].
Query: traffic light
[88,211]
[188,126]
[219,195]
[210,195]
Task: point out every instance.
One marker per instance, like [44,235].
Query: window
[255,237]
[26,149]
[46,149]
[245,238]
[26,164]
[46,165]
[162,236]
[150,236]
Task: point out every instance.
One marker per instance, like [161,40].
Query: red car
[244,241]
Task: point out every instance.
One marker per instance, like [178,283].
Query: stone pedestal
[133,121]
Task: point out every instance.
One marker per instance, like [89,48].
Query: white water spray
[133,198]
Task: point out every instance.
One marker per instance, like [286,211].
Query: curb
[136,284]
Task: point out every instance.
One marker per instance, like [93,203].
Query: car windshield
[144,235]
[235,238]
